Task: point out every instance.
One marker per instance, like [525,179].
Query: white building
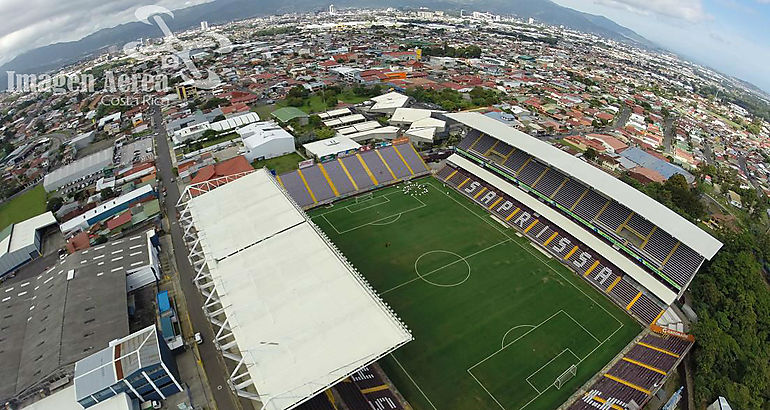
[330,146]
[263,140]
[387,103]
[77,170]
[235,122]
[21,242]
[421,127]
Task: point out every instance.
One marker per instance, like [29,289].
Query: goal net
[565,377]
[364,197]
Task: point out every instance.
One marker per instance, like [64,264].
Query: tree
[324,133]
[107,193]
[732,354]
[315,121]
[298,91]
[295,101]
[54,204]
[590,154]
[209,134]
[214,102]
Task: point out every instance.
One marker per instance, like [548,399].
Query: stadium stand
[382,173]
[319,402]
[577,256]
[638,374]
[507,152]
[356,172]
[326,182]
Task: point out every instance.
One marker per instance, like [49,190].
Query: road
[210,357]
[709,153]
[742,162]
[669,131]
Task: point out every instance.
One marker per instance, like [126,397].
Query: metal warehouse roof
[81,167]
[53,318]
[653,211]
[235,122]
[302,319]
[24,232]
[287,114]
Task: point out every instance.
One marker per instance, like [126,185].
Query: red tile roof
[119,220]
[232,166]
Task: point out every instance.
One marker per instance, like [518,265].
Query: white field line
[339,208]
[502,342]
[357,210]
[545,262]
[462,258]
[551,361]
[413,382]
[398,216]
[374,222]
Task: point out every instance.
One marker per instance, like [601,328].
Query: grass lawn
[563,141]
[24,206]
[495,322]
[348,97]
[314,104]
[280,164]
[220,139]
[265,111]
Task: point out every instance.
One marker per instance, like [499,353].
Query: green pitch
[495,321]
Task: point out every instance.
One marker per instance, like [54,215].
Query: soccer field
[495,320]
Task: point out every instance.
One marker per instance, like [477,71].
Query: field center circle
[455,260]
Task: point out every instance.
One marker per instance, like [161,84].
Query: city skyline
[727,35]
[731,36]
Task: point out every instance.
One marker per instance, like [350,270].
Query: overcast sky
[732,36]
[28,24]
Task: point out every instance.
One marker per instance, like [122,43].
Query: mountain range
[58,55]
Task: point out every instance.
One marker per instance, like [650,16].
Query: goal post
[565,377]
[364,197]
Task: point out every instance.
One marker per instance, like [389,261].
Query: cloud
[36,23]
[688,10]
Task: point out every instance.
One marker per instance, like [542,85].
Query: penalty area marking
[533,328]
[395,219]
[502,342]
[376,222]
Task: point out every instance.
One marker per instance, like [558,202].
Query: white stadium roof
[301,317]
[631,269]
[653,211]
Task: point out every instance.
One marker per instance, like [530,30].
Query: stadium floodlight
[565,377]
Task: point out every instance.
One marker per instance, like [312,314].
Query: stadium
[515,277]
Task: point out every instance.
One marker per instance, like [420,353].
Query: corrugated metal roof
[667,169]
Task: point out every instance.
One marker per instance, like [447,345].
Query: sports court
[497,324]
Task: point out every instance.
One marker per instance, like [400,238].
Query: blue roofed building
[140,365]
[647,160]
